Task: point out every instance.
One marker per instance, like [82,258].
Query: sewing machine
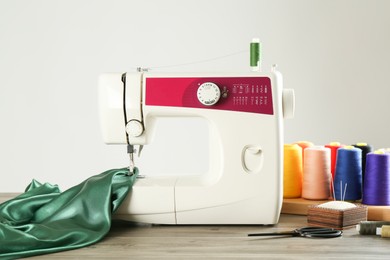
[245,116]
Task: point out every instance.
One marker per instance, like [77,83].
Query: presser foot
[132,172]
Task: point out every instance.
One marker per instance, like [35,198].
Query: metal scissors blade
[288,233]
[320,232]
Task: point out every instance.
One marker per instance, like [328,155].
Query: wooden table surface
[143,241]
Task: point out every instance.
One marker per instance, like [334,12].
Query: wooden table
[142,241]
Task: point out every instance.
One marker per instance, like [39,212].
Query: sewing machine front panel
[242,94]
[244,113]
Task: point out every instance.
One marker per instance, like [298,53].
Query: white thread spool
[316,173]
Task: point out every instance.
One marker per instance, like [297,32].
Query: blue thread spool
[348,174]
[376,190]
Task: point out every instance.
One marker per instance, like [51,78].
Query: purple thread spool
[376,190]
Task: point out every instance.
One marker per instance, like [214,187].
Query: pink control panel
[244,94]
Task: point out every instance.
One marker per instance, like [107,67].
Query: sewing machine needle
[131,166]
[130,151]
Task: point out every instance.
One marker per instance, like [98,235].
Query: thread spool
[376,190]
[366,148]
[316,173]
[292,181]
[348,174]
[369,227]
[304,145]
[383,231]
[385,150]
[333,146]
[255,54]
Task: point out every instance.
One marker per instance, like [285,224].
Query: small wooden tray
[300,206]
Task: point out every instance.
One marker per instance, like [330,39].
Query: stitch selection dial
[208,93]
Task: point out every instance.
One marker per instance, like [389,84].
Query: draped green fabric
[44,220]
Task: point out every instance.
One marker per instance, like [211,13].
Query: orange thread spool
[304,145]
[292,181]
[316,173]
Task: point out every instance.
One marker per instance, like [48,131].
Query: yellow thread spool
[292,181]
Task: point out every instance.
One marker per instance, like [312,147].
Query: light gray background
[335,54]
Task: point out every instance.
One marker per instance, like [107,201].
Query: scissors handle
[325,233]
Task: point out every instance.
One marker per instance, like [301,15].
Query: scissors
[320,232]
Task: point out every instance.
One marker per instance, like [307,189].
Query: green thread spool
[255,54]
[369,227]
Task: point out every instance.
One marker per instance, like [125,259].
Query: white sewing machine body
[245,177]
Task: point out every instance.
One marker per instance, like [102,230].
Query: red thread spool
[333,146]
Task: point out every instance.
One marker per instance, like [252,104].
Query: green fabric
[43,220]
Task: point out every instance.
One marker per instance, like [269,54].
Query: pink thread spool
[316,173]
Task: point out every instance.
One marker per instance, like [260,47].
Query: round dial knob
[134,128]
[208,93]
